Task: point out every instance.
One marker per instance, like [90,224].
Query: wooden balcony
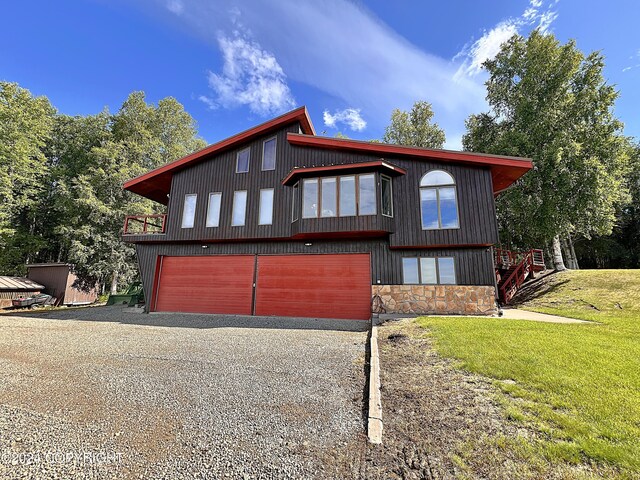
[145,224]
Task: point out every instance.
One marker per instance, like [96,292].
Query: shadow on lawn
[124,315]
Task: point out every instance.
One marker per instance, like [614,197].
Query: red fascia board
[158,181]
[346,166]
[505,170]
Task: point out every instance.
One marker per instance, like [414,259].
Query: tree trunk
[114,283]
[573,254]
[566,253]
[558,263]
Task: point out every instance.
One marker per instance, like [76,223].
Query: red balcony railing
[145,224]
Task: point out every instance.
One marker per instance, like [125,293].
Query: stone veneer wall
[437,299]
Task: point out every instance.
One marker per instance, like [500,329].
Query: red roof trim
[299,114]
[362,146]
[343,166]
[504,170]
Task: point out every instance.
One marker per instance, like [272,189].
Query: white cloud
[208,101]
[488,45]
[250,76]
[349,116]
[175,6]
[635,59]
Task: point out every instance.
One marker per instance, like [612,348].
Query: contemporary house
[278,221]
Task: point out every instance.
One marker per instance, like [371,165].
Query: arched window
[438,201]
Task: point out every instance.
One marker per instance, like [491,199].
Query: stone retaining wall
[437,299]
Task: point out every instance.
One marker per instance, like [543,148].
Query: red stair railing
[519,266]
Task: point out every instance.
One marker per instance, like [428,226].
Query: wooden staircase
[514,268]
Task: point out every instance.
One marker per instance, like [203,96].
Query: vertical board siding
[476,208]
[473,266]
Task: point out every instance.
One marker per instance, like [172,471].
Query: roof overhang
[346,168]
[504,170]
[19,284]
[156,184]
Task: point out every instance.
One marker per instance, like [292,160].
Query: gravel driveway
[110,394]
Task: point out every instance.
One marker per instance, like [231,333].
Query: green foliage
[61,196]
[552,104]
[578,385]
[414,128]
[25,127]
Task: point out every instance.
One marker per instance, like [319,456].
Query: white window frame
[233,208]
[248,149]
[275,139]
[261,206]
[359,192]
[184,210]
[294,204]
[437,263]
[304,182]
[382,179]
[436,189]
[217,220]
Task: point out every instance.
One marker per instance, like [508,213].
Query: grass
[576,384]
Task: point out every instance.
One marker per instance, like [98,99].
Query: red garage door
[205,284]
[322,286]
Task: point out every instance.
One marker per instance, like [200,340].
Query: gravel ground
[100,393]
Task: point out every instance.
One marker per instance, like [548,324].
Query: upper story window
[189,210]
[213,209]
[239,208]
[438,201]
[429,271]
[242,160]
[269,154]
[386,196]
[266,207]
[294,207]
[345,196]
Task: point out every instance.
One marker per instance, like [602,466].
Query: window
[429,270]
[347,196]
[329,203]
[310,198]
[294,207]
[269,154]
[438,201]
[239,208]
[367,194]
[242,161]
[189,210]
[266,207]
[213,209]
[386,196]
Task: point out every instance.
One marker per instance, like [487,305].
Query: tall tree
[25,127]
[414,128]
[139,137]
[551,103]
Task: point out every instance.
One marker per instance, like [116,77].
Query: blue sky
[236,63]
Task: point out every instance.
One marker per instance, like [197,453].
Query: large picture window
[429,270]
[438,201]
[189,210]
[345,196]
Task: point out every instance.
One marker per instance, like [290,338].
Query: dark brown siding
[473,266]
[58,282]
[474,188]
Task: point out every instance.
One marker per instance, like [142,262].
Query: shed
[16,287]
[59,282]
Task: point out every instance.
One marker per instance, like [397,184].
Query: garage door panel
[206,284]
[323,286]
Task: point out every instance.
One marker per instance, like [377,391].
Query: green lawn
[578,384]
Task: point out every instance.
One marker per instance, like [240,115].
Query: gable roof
[19,283]
[156,184]
[504,170]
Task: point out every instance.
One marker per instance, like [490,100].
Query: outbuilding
[17,287]
[61,283]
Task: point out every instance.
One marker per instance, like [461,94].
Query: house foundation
[437,299]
